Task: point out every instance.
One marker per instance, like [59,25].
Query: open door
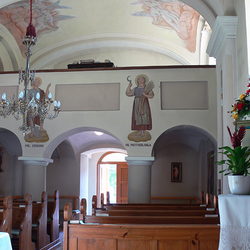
[122,183]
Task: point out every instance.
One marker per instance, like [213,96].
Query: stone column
[34,175]
[139,179]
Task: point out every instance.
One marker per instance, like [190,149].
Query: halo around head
[144,76]
[39,79]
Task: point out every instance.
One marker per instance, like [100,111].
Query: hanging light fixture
[28,106]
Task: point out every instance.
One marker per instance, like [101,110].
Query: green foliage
[238,161]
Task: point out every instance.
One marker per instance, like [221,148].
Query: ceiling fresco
[172,14]
[161,32]
[46,15]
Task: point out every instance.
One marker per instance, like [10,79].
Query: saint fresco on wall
[173,15]
[38,133]
[141,113]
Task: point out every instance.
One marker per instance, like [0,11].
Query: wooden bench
[22,226]
[174,219]
[167,200]
[6,215]
[53,219]
[179,212]
[14,198]
[39,222]
[138,236]
[75,202]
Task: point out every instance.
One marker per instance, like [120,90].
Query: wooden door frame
[98,172]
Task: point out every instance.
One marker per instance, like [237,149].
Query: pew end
[6,215]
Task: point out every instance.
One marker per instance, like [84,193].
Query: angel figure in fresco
[38,133]
[141,113]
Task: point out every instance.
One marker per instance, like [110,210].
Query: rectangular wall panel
[89,97]
[184,95]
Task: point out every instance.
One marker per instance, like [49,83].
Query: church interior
[121,102]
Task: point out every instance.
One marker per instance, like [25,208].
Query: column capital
[146,161]
[225,27]
[36,161]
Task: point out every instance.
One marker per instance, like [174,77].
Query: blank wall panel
[183,95]
[89,97]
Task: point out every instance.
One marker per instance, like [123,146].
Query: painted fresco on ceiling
[141,114]
[172,14]
[16,17]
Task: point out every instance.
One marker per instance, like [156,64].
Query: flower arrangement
[241,107]
[237,161]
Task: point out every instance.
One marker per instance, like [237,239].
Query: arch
[83,139]
[184,134]
[191,146]
[10,142]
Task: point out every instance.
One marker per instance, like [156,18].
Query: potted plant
[237,161]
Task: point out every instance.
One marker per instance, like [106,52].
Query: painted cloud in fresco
[16,17]
[172,14]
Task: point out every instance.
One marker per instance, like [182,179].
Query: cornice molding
[36,161]
[225,27]
[142,161]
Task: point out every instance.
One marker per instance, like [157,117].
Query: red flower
[240,106]
[237,136]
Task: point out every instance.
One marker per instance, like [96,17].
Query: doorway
[113,177]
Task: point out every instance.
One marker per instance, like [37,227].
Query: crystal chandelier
[27,106]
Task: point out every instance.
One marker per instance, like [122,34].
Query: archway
[75,154]
[11,177]
[192,147]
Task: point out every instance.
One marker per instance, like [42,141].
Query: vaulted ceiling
[128,33]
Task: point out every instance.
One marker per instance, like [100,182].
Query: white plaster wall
[92,178]
[242,44]
[161,184]
[64,173]
[84,173]
[118,123]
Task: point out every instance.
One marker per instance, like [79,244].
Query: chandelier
[29,105]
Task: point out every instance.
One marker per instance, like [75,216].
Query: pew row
[53,220]
[22,226]
[6,215]
[165,200]
[137,236]
[171,212]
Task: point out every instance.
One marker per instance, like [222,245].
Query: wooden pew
[83,208]
[39,222]
[53,219]
[6,215]
[172,212]
[135,236]
[182,200]
[22,226]
[174,219]
[14,198]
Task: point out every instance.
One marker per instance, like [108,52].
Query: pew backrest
[22,220]
[53,217]
[6,215]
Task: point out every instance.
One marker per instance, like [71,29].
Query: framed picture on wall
[176,172]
